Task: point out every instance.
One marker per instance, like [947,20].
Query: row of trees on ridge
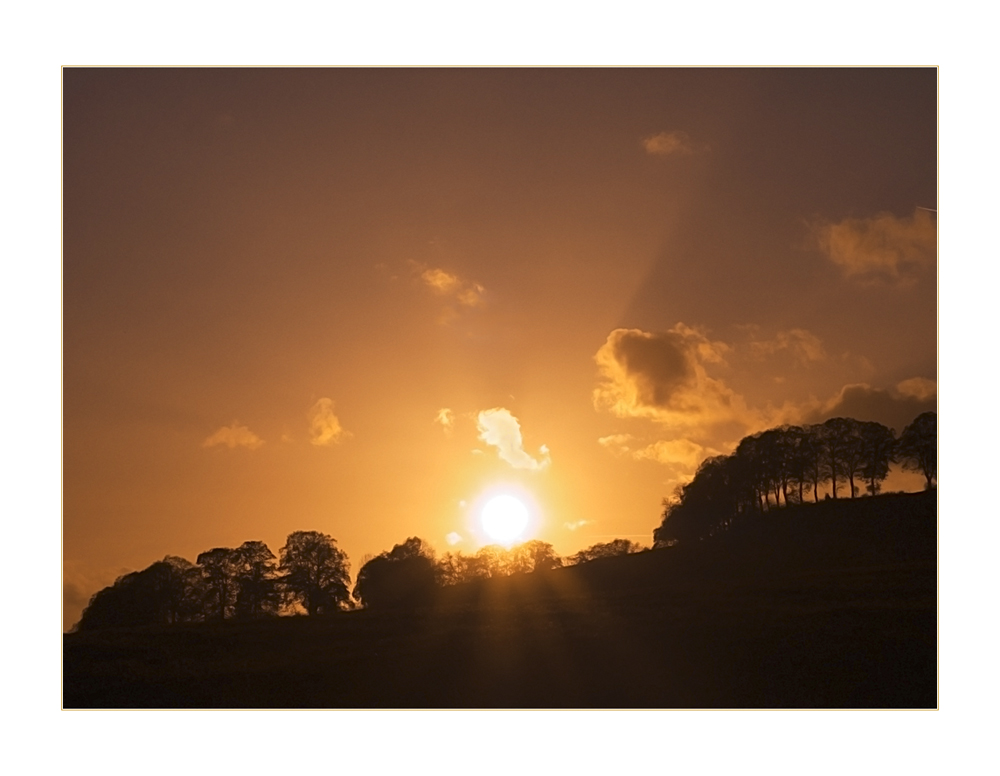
[311,573]
[788,464]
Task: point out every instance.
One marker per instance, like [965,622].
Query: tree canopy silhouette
[403,577]
[256,577]
[606,550]
[218,568]
[316,572]
[918,447]
[166,592]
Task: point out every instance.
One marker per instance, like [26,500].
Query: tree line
[311,574]
[769,470]
[788,465]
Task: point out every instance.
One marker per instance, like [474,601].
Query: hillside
[821,605]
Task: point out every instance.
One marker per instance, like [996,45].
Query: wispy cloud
[680,453]
[883,248]
[804,345]
[465,293]
[918,388]
[324,426]
[234,436]
[574,525]
[446,418]
[616,443]
[671,144]
[497,427]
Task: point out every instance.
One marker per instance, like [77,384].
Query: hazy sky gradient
[356,301]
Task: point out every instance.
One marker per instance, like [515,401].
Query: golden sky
[362,301]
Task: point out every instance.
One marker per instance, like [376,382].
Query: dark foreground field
[832,605]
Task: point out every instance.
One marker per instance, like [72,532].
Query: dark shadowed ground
[828,605]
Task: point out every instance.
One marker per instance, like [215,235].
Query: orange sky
[293,297]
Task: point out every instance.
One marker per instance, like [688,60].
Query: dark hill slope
[829,605]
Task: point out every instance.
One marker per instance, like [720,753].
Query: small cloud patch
[324,426]
[676,143]
[884,248]
[446,418]
[497,427]
[464,293]
[234,436]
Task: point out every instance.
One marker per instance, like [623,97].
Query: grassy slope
[826,605]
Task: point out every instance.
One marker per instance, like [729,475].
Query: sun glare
[504,518]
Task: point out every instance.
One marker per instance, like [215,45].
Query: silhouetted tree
[403,577]
[706,504]
[812,453]
[533,555]
[163,593]
[878,451]
[256,576]
[918,447]
[456,567]
[218,568]
[610,549]
[840,444]
[316,572]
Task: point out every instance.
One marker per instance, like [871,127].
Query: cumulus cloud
[324,427]
[663,377]
[446,418]
[465,293]
[234,436]
[881,248]
[893,407]
[803,345]
[670,143]
[497,427]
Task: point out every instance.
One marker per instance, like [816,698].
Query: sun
[504,518]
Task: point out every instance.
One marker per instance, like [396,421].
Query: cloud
[676,452]
[465,293]
[663,377]
[499,428]
[802,344]
[577,524]
[918,388]
[671,143]
[324,427]
[234,436]
[446,418]
[679,453]
[616,443]
[893,407]
[883,248]
[440,281]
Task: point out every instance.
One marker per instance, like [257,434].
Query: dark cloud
[662,376]
[893,407]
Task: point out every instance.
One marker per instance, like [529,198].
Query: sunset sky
[363,301]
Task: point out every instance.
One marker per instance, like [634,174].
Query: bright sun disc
[504,518]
